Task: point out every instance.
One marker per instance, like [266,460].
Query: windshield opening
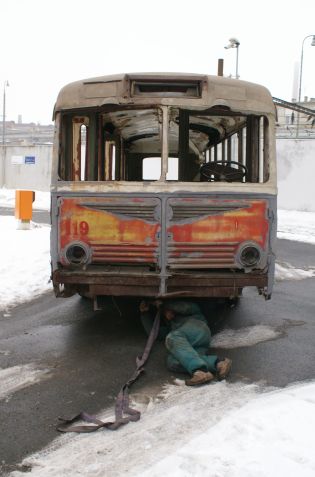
[213,145]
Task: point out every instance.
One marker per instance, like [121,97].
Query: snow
[7,199]
[285,271]
[270,435]
[219,430]
[246,336]
[19,377]
[296,225]
[24,262]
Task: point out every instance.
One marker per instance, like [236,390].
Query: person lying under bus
[187,340]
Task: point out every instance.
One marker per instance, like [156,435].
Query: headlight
[250,255]
[77,253]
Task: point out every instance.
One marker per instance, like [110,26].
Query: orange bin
[24,204]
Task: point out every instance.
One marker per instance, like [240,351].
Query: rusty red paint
[202,241]
[244,224]
[104,232]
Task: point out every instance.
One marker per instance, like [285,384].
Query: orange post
[24,205]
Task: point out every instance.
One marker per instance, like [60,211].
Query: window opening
[79,150]
[151,169]
[127,145]
[83,158]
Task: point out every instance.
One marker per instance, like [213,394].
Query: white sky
[46,44]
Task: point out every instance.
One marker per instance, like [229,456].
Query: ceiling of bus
[141,129]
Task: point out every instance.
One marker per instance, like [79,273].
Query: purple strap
[123,412]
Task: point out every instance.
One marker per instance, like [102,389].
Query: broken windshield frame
[210,144]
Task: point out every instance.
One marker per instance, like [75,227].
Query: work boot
[223,368]
[199,377]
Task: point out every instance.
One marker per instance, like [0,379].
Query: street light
[300,82]
[301,63]
[234,43]
[5,85]
[2,167]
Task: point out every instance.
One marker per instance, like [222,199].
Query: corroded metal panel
[117,89]
[192,243]
[116,230]
[207,233]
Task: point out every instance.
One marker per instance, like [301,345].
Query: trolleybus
[163,183]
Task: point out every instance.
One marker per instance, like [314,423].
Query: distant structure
[295,120]
[295,86]
[27,134]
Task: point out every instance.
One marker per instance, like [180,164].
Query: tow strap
[123,412]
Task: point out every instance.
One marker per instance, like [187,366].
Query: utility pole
[300,82]
[5,85]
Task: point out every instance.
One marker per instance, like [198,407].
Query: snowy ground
[220,430]
[19,377]
[296,225]
[24,264]
[7,199]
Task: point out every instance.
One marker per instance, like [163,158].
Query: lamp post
[5,85]
[300,80]
[234,43]
[301,62]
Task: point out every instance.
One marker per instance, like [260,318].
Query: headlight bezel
[256,257]
[77,254]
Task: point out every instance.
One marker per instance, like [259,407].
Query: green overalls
[187,338]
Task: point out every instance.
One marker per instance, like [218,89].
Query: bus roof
[191,91]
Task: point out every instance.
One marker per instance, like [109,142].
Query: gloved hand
[144,306]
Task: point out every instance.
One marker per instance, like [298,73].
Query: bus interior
[127,144]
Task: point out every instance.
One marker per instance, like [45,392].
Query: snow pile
[246,336]
[19,377]
[219,430]
[168,422]
[271,435]
[285,271]
[296,225]
[24,262]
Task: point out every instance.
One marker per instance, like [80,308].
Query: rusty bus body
[163,183]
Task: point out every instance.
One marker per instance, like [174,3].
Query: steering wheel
[223,171]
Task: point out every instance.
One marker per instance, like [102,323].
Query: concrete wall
[296,171]
[296,174]
[31,173]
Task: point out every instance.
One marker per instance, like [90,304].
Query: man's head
[168,313]
[173,308]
